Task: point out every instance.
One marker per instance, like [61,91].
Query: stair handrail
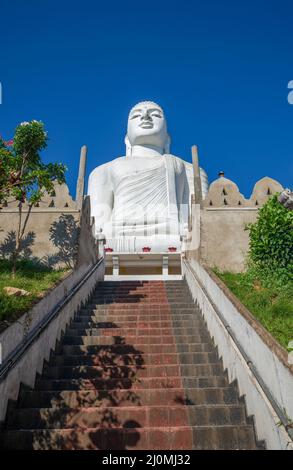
[278,410]
[18,352]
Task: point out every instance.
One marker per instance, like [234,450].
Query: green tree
[23,175]
[271,238]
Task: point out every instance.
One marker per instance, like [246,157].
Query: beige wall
[217,235]
[224,240]
[39,223]
[73,233]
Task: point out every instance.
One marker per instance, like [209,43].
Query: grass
[272,306]
[35,279]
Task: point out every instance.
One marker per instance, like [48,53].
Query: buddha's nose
[145,115]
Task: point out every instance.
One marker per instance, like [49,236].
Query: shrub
[271,240]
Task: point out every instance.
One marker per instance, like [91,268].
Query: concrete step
[110,358]
[144,296]
[82,322]
[115,417]
[135,348]
[139,310]
[144,331]
[134,372]
[134,289]
[143,293]
[138,340]
[224,437]
[144,283]
[147,306]
[132,317]
[196,347]
[120,397]
[163,293]
[132,438]
[141,298]
[144,383]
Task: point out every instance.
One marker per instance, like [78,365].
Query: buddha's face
[147,126]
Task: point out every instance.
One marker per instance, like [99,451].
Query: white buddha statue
[143,199]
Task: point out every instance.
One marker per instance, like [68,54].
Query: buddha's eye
[135,115]
[157,115]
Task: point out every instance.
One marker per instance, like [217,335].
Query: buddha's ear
[167,144]
[128,146]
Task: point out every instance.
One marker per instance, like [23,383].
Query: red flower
[108,250]
[8,143]
[172,248]
[146,249]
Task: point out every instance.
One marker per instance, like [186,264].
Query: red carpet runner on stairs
[136,369]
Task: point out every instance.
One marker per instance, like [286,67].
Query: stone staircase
[136,369]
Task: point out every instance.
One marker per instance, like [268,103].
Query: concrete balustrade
[31,364]
[267,357]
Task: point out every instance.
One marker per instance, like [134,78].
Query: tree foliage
[271,239]
[23,176]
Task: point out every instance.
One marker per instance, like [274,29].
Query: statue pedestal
[137,244]
[143,265]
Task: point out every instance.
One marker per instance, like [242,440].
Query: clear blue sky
[220,70]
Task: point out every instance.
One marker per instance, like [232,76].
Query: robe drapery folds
[148,202]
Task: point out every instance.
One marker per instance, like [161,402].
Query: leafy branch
[23,175]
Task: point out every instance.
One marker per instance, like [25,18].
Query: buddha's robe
[147,197]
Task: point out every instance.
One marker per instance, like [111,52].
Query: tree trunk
[17,241]
[19,236]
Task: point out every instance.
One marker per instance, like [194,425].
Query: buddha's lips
[146,125]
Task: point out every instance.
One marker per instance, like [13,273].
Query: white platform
[156,266]
[144,277]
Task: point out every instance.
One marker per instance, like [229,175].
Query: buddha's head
[147,126]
